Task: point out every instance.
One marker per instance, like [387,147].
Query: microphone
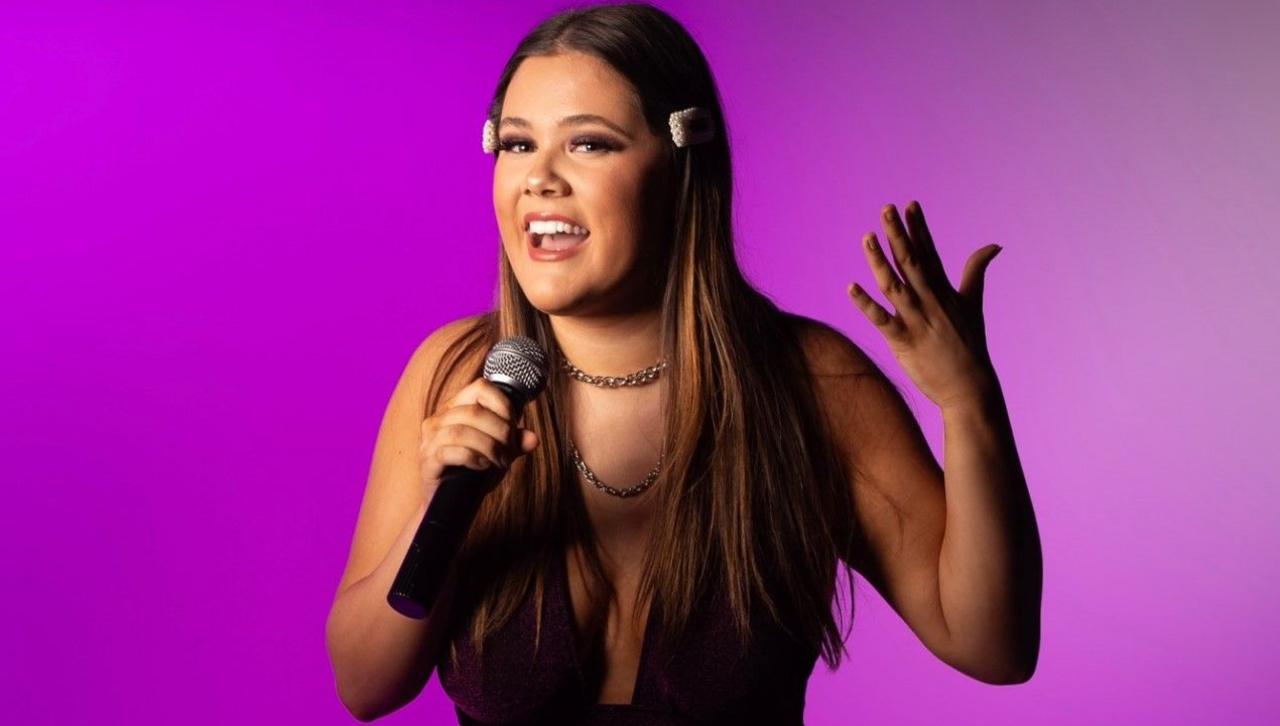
[518,367]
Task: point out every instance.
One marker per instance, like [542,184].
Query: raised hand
[937,334]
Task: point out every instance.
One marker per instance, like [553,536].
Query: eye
[599,144]
[506,143]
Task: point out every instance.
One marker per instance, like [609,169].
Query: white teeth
[537,226]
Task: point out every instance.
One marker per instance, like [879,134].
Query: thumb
[975,270]
[528,440]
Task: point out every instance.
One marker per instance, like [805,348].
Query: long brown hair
[752,495]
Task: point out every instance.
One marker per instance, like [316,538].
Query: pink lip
[538,253]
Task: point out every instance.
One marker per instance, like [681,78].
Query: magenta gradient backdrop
[226,226]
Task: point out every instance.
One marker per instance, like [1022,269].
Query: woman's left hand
[938,334]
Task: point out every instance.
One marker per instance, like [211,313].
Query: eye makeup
[599,142]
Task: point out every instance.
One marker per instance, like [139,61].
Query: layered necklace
[638,378]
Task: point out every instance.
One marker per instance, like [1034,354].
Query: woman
[664,543]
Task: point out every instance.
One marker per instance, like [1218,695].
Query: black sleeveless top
[707,680]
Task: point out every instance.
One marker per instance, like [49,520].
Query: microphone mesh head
[519,362]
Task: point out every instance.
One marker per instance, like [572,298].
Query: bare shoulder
[831,356]
[852,391]
[443,355]
[867,410]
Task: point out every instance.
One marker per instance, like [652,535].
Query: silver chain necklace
[630,491]
[635,379]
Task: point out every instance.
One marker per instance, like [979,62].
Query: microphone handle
[445,524]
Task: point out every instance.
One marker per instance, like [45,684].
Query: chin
[550,297]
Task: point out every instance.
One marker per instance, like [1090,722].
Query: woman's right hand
[473,429]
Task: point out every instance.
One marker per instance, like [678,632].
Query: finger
[975,270]
[457,456]
[477,416]
[907,257]
[486,394]
[925,248]
[471,438]
[492,398]
[433,466]
[901,248]
[428,427]
[879,317]
[888,281]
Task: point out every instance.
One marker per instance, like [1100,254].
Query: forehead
[545,88]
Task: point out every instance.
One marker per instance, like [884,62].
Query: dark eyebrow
[577,118]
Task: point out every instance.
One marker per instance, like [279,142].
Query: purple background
[226,226]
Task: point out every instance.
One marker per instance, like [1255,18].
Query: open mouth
[553,235]
[557,241]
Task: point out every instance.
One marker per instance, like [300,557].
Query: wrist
[981,399]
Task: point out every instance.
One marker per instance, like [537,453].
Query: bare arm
[955,552]
[961,550]
[381,658]
[989,571]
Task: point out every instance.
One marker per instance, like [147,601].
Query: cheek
[623,201]
[504,209]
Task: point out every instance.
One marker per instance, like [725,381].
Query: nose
[541,182]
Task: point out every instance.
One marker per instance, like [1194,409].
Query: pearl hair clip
[689,126]
[490,137]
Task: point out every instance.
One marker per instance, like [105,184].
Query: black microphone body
[517,367]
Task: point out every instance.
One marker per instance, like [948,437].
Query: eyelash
[602,144]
